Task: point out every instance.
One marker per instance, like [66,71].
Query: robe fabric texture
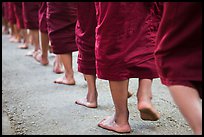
[178,54]
[2,9]
[42,17]
[125,40]
[85,37]
[30,15]
[61,21]
[19,15]
[5,11]
[11,13]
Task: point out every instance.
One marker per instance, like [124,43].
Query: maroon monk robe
[85,37]
[18,15]
[11,13]
[179,45]
[125,40]
[30,14]
[5,11]
[3,4]
[61,21]
[42,17]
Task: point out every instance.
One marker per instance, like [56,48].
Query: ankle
[69,76]
[92,97]
[44,56]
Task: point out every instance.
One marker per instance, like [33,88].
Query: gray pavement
[33,105]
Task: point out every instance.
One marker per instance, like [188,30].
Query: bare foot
[5,31]
[36,52]
[110,124]
[148,112]
[85,103]
[23,47]
[65,81]
[15,40]
[12,39]
[57,68]
[43,61]
[30,53]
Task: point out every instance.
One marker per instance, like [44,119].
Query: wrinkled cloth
[85,37]
[42,17]
[125,40]
[61,21]
[178,54]
[30,15]
[19,15]
[11,13]
[5,11]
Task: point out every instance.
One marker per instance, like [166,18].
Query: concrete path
[33,105]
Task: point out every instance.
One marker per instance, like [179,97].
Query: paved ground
[33,105]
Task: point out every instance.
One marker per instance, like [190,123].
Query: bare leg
[30,41]
[43,57]
[12,39]
[91,99]
[5,29]
[69,73]
[25,39]
[35,37]
[18,34]
[144,96]
[189,103]
[119,121]
[30,37]
[15,34]
[58,68]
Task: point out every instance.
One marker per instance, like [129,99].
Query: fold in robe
[61,21]
[179,45]
[11,13]
[5,11]
[30,14]
[85,37]
[125,40]
[18,14]
[42,17]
